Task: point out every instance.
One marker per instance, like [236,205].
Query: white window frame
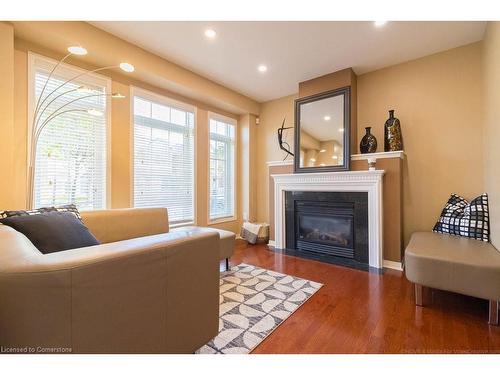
[163,100]
[231,121]
[68,71]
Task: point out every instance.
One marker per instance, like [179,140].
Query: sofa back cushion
[52,231]
[124,224]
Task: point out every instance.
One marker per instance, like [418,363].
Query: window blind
[222,169]
[70,163]
[164,159]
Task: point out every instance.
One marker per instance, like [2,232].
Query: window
[164,156]
[71,152]
[222,168]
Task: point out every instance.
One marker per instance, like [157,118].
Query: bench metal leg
[418,295]
[227,264]
[494,306]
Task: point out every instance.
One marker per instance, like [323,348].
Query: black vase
[368,143]
[393,138]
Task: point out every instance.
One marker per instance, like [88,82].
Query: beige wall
[271,117]
[6,115]
[437,98]
[491,122]
[14,128]
[248,153]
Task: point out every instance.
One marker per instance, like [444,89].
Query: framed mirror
[322,132]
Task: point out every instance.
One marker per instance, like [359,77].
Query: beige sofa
[456,264]
[143,290]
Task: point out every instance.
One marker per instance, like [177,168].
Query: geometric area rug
[253,302]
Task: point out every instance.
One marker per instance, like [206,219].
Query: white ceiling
[293,51]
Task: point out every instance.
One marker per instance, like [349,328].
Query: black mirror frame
[346,92]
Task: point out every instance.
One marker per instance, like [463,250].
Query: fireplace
[328,226]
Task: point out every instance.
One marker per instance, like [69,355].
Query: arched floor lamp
[37,125]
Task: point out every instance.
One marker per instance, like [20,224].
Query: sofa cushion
[462,218]
[52,231]
[456,264]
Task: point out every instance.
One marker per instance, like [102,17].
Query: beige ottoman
[456,264]
[226,243]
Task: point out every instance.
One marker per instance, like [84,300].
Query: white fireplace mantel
[364,181]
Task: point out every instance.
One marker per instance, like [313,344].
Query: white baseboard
[271,243]
[393,265]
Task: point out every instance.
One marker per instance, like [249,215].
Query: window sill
[180,225]
[222,220]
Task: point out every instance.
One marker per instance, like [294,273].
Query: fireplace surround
[369,182]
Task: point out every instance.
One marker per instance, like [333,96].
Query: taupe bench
[455,264]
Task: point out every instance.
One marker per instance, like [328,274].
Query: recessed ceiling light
[322,150]
[322,165]
[77,50]
[210,33]
[379,23]
[262,68]
[126,67]
[335,157]
[313,160]
[341,130]
[327,118]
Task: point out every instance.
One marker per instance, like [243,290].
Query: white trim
[131,144]
[109,129]
[271,243]
[368,181]
[161,99]
[375,155]
[277,163]
[221,118]
[68,71]
[393,265]
[379,155]
[222,220]
[233,122]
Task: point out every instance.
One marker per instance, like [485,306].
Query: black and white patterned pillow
[64,208]
[468,219]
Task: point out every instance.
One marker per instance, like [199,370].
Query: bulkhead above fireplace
[328,226]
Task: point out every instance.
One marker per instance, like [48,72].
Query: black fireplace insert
[328,226]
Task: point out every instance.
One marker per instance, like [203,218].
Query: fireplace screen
[333,230]
[328,226]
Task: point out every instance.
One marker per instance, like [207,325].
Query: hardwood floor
[362,312]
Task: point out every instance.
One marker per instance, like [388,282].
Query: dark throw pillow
[461,218]
[52,231]
[64,208]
